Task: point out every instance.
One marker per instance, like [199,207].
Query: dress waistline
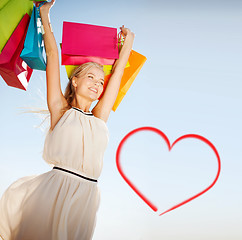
[71,172]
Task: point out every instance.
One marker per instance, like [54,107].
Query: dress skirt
[54,205]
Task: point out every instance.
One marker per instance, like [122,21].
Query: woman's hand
[45,8]
[126,32]
[106,102]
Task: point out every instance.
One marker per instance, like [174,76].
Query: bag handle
[40,5]
[121,39]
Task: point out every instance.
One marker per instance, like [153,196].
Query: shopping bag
[83,43]
[106,68]
[32,53]
[79,60]
[13,69]
[136,61]
[11,13]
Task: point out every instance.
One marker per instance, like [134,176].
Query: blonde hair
[69,94]
[80,71]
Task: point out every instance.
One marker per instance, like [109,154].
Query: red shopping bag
[13,69]
[84,43]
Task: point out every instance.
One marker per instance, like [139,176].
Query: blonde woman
[61,204]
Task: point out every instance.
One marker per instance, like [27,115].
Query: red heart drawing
[138,192]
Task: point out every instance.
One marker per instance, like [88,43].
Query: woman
[62,203]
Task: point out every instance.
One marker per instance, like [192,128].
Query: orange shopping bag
[136,61]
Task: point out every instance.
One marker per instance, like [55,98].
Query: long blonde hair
[80,71]
[69,94]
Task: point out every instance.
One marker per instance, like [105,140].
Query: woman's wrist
[44,14]
[130,35]
[129,39]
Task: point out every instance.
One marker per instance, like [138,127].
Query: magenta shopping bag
[13,69]
[82,41]
[78,60]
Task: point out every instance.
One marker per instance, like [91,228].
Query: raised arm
[105,104]
[55,98]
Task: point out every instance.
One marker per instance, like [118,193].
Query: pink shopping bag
[13,69]
[82,41]
[79,60]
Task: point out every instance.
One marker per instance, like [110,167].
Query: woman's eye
[90,77]
[102,83]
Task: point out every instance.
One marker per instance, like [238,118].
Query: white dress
[59,205]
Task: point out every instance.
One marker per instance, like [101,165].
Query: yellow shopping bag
[106,68]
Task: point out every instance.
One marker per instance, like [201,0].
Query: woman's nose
[97,83]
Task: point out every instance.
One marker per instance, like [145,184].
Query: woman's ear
[74,82]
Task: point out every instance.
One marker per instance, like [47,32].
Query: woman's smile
[94,90]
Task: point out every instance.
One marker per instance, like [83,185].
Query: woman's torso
[78,141]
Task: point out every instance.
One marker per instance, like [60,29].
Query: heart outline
[159,132]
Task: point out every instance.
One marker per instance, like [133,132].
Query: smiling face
[90,85]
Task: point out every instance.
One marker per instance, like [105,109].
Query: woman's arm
[55,98]
[105,104]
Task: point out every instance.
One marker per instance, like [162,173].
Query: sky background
[190,83]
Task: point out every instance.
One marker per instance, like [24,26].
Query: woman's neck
[82,104]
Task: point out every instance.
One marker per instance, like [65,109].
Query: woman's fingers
[46,6]
[52,2]
[124,30]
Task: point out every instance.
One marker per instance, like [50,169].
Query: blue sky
[190,83]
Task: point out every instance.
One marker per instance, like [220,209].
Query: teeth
[93,90]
